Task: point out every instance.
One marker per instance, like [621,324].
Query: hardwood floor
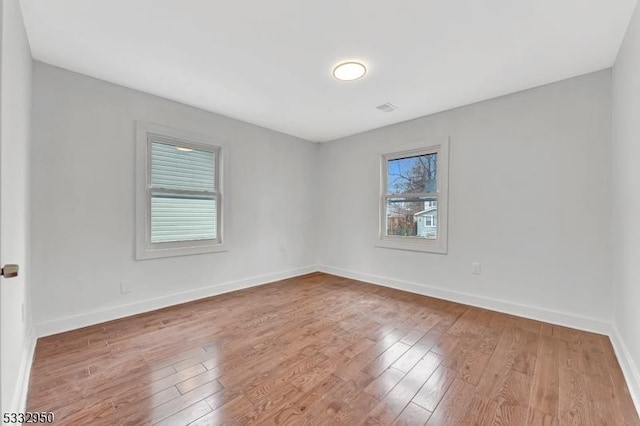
[320,349]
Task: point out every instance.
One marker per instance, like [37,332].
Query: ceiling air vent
[386,107]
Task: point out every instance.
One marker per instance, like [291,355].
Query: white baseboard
[532,312]
[629,368]
[19,401]
[90,318]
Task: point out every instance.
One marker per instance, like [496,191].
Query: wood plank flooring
[320,349]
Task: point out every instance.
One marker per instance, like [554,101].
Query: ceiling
[270,62]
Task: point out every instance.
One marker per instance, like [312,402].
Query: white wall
[83,203]
[626,204]
[529,200]
[15,106]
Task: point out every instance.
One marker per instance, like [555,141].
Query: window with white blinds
[183,195]
[180,212]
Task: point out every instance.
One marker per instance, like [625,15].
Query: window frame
[439,244]
[146,133]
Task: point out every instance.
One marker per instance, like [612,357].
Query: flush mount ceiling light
[348,71]
[180,148]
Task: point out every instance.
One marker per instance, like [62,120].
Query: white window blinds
[183,190]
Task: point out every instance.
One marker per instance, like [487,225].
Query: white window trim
[145,249]
[439,244]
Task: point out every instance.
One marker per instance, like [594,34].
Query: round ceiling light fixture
[348,71]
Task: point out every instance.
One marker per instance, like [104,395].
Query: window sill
[433,246]
[182,251]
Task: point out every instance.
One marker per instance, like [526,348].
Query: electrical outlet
[475,268]
[125,287]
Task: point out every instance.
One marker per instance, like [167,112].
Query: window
[413,200]
[178,197]
[430,220]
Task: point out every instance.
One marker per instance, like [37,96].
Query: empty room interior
[338,212]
